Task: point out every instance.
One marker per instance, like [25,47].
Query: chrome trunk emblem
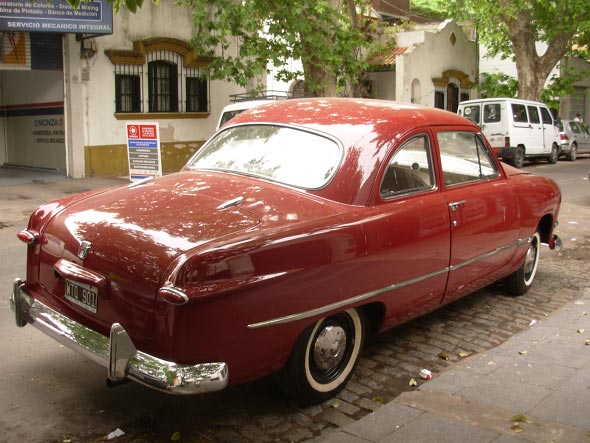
[84,248]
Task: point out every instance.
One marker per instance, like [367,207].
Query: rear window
[491,113]
[291,156]
[228,115]
[472,113]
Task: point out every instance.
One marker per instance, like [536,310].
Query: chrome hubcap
[329,347]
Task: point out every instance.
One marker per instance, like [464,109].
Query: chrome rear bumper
[117,352]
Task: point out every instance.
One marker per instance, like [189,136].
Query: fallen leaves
[413,382]
[443,356]
[516,421]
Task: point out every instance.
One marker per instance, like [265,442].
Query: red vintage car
[296,231]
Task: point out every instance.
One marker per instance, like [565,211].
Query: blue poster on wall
[92,17]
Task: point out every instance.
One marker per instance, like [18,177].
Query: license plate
[82,294]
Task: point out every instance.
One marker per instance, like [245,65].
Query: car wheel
[518,159]
[573,154]
[552,159]
[323,358]
[522,279]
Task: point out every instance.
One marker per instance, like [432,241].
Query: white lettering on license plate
[82,294]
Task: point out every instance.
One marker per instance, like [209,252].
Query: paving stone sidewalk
[535,387]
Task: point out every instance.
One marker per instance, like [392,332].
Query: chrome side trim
[117,353]
[377,292]
[348,301]
[516,244]
[177,292]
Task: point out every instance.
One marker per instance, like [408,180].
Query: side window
[519,113]
[491,113]
[534,114]
[546,116]
[465,158]
[574,127]
[410,169]
[472,113]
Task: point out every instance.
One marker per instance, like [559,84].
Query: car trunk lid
[103,258]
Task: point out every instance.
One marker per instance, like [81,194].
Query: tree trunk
[532,69]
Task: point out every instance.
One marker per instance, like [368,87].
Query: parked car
[230,111]
[299,229]
[575,139]
[516,129]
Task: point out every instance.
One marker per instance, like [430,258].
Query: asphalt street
[52,394]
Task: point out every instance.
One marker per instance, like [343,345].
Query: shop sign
[92,17]
[143,148]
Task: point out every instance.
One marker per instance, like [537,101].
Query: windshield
[287,155]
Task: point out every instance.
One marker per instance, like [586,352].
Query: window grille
[128,96]
[164,81]
[197,91]
[163,84]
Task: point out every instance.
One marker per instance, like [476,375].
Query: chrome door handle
[454,205]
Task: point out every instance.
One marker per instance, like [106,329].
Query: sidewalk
[22,190]
[533,388]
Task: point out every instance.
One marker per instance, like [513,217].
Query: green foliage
[501,85]
[561,86]
[325,39]
[514,28]
[497,85]
[331,42]
[428,9]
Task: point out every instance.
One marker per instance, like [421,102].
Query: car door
[583,138]
[483,212]
[537,130]
[550,131]
[407,235]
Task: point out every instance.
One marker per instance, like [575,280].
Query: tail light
[563,137]
[27,237]
[507,142]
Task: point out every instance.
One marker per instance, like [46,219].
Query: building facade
[69,113]
[433,65]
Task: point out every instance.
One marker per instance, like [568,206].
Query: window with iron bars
[128,97]
[169,86]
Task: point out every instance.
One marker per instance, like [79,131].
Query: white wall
[430,59]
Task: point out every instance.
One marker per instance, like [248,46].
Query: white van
[233,109]
[515,128]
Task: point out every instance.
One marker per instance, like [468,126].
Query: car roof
[367,129]
[341,116]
